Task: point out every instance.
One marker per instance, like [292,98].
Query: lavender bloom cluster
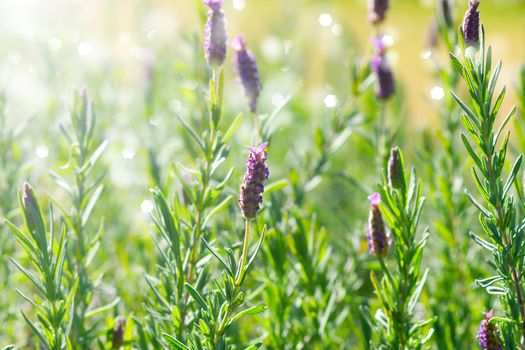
[377,236]
[385,78]
[377,10]
[246,66]
[470,26]
[488,335]
[252,188]
[215,33]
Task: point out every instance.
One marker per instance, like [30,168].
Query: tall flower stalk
[487,145]
[399,290]
[219,308]
[184,222]
[246,66]
[445,159]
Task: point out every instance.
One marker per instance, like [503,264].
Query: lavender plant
[47,252]
[182,276]
[450,212]
[401,202]
[218,310]
[84,193]
[487,147]
[291,272]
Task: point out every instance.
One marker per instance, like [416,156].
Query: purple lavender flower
[215,33]
[246,66]
[432,34]
[488,335]
[377,236]
[377,10]
[385,78]
[470,25]
[252,188]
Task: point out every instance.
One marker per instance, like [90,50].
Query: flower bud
[377,236]
[252,188]
[246,66]
[215,33]
[396,174]
[488,335]
[31,209]
[470,25]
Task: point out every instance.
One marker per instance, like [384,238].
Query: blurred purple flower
[246,66]
[252,188]
[118,333]
[385,78]
[377,236]
[470,25]
[488,335]
[215,33]
[377,10]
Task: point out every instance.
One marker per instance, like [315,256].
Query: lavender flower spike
[377,236]
[377,10]
[470,26]
[385,78]
[215,33]
[252,188]
[488,335]
[246,66]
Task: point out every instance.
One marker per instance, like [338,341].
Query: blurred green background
[77,37]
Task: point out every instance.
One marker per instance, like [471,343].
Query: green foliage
[399,290]
[54,303]
[147,248]
[499,215]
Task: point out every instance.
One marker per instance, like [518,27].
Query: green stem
[237,286]
[257,125]
[241,272]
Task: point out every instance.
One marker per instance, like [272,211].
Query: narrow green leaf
[91,204]
[483,243]
[220,258]
[234,125]
[103,308]
[512,176]
[276,186]
[191,131]
[196,296]
[477,204]
[484,283]
[174,342]
[220,207]
[254,310]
